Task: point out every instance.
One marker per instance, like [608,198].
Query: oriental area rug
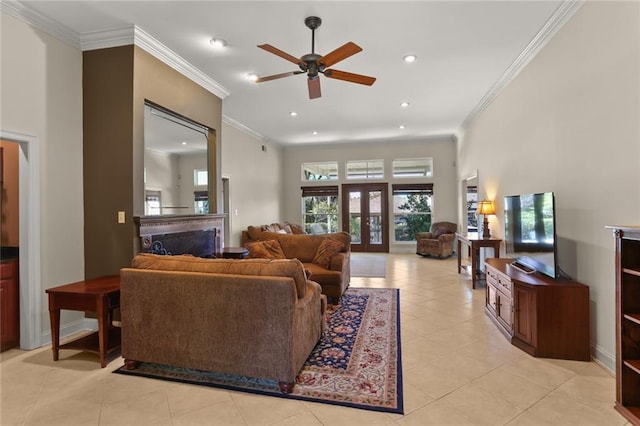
[357,362]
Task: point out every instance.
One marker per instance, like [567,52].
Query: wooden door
[365,216]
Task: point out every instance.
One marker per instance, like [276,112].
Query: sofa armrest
[339,261]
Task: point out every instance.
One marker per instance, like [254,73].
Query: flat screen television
[530,232]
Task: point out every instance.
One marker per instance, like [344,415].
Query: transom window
[320,171]
[367,169]
[412,167]
[200,177]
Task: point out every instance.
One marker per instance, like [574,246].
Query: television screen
[530,235]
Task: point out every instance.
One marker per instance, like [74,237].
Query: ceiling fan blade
[342,52]
[278,52]
[314,87]
[276,76]
[347,76]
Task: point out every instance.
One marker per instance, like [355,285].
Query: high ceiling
[464,50]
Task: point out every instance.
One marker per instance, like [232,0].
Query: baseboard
[68,329]
[604,359]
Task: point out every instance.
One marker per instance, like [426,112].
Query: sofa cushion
[270,249]
[326,250]
[264,267]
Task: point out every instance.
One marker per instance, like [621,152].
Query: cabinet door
[491,302]
[524,313]
[9,313]
[505,311]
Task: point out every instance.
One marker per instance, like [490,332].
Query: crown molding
[233,123]
[113,38]
[147,42]
[563,13]
[41,22]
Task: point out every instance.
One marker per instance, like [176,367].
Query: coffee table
[100,296]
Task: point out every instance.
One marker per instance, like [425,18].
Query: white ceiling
[466,51]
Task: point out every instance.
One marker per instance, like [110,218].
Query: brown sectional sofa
[256,317]
[334,279]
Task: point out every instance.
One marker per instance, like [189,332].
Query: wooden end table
[234,253]
[100,296]
[474,244]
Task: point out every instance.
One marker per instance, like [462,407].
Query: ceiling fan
[313,64]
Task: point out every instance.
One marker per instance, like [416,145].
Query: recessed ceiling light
[184,143]
[404,104]
[252,76]
[315,132]
[410,58]
[293,113]
[218,42]
[402,126]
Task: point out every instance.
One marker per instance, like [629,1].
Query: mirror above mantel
[175,163]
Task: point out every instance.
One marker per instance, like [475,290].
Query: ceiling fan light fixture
[410,58]
[402,126]
[218,43]
[252,76]
[404,104]
[293,113]
[315,132]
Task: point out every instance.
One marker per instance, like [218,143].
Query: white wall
[569,123]
[255,181]
[441,149]
[42,97]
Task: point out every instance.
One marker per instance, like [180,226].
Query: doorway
[29,239]
[365,216]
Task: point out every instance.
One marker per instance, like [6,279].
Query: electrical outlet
[121,217]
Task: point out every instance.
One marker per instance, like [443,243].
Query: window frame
[411,188]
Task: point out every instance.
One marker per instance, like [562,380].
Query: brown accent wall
[116,82]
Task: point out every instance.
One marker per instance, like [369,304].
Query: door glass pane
[375,217]
[355,216]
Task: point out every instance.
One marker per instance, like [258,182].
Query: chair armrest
[447,237]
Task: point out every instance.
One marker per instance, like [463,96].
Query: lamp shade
[486,207]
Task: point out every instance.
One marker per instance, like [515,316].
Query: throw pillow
[441,231]
[326,250]
[270,249]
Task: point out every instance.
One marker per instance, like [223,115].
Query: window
[200,177]
[320,209]
[320,171]
[201,202]
[368,169]
[411,210]
[472,206]
[412,167]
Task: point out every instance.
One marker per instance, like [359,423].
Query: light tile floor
[458,370]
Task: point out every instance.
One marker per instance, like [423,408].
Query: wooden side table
[100,296]
[474,243]
[234,253]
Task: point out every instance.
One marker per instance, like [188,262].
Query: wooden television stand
[544,317]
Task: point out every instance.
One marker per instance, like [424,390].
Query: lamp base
[486,233]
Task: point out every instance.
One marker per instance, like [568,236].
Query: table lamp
[485,207]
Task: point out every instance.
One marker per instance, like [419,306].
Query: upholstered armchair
[438,242]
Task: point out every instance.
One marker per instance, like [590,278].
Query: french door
[365,216]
